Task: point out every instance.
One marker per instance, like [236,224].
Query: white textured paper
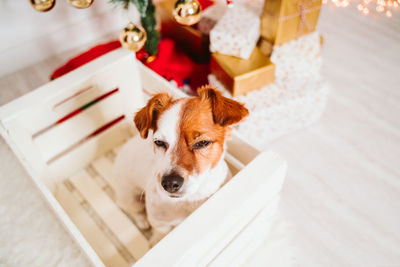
[210,16]
[236,33]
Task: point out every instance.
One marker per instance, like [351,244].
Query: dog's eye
[201,144]
[160,143]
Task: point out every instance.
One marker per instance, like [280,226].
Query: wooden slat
[40,114]
[54,109]
[71,131]
[113,217]
[89,229]
[104,167]
[80,157]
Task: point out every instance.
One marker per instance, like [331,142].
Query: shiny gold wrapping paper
[284,20]
[243,75]
[192,41]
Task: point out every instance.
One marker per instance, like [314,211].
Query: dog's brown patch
[146,118]
[206,117]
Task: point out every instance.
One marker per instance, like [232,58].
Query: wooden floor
[342,193]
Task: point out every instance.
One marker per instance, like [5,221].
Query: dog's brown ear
[225,111]
[146,118]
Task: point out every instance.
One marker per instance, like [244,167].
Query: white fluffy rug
[29,232]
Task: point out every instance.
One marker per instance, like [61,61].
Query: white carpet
[29,232]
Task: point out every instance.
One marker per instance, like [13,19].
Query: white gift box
[67,133]
[210,16]
[236,33]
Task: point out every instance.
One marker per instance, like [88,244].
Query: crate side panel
[68,133]
[227,211]
[247,240]
[84,154]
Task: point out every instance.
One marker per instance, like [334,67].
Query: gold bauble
[133,37]
[187,12]
[42,5]
[80,3]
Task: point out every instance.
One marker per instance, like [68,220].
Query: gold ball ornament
[187,12]
[133,37]
[42,5]
[80,3]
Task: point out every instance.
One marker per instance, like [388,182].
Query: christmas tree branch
[148,20]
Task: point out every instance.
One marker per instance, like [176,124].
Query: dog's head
[188,136]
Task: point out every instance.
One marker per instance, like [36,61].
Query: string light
[365,6]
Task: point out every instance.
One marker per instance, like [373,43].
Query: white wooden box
[66,134]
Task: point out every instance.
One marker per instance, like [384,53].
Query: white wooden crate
[67,133]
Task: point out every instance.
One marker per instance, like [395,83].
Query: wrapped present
[236,33]
[210,17]
[284,20]
[191,40]
[240,76]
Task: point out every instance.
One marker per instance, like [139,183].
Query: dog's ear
[146,118]
[225,111]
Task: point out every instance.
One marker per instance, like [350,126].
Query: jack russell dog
[177,161]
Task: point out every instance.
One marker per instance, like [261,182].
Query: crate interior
[88,198]
[67,134]
[79,146]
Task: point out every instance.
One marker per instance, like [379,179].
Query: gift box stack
[265,54]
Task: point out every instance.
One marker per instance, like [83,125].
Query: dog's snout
[172,182]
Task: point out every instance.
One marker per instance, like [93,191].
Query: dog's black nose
[172,182]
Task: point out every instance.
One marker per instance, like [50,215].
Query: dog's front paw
[141,221]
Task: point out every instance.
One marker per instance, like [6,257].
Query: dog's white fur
[138,168]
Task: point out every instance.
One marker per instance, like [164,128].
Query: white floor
[342,194]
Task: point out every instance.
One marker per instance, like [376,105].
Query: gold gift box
[284,20]
[191,40]
[243,75]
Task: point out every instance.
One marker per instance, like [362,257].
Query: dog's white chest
[165,212]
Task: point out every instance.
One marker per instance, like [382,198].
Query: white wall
[28,36]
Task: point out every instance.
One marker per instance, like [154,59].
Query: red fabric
[171,63]
[205,3]
[84,58]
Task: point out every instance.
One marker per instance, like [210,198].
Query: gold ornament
[42,5]
[133,37]
[187,12]
[80,3]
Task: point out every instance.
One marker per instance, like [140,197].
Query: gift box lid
[235,66]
